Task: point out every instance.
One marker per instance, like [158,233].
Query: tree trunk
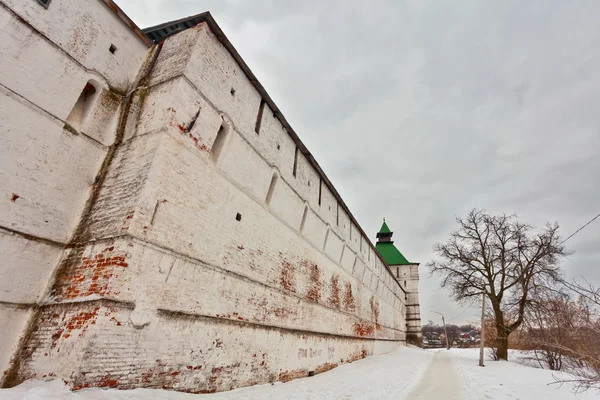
[501,343]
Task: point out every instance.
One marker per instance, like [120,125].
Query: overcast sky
[421,110]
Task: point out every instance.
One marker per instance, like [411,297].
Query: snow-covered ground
[408,373]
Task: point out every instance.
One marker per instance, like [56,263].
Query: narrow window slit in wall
[154,213]
[193,121]
[83,106]
[44,3]
[295,162]
[271,189]
[220,140]
[404,283]
[112,48]
[232,91]
[337,215]
[320,190]
[361,240]
[238,217]
[326,237]
[304,214]
[259,116]
[311,373]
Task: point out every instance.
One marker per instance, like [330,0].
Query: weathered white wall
[26,266]
[198,55]
[48,55]
[84,32]
[289,287]
[179,351]
[47,171]
[13,320]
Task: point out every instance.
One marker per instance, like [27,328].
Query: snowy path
[439,382]
[405,374]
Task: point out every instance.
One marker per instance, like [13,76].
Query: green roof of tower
[391,254]
[385,247]
[384,228]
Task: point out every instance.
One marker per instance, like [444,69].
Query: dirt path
[439,382]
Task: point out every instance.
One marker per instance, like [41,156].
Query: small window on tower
[44,3]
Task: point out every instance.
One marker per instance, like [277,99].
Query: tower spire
[384,234]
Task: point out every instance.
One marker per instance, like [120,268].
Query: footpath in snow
[407,373]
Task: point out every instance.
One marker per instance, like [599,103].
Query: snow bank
[510,379]
[388,376]
[407,373]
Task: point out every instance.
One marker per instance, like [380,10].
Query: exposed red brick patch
[375,312]
[286,376]
[81,386]
[325,367]
[127,220]
[314,292]
[108,381]
[183,130]
[92,275]
[165,376]
[220,372]
[14,197]
[283,312]
[363,329]
[334,297]
[349,303]
[80,321]
[287,276]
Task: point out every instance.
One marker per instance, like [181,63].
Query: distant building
[407,274]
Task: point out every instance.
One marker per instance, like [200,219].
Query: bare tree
[550,323]
[583,345]
[503,258]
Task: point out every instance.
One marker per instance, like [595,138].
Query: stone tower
[407,275]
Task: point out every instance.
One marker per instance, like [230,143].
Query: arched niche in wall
[342,252]
[221,140]
[304,216]
[326,237]
[84,104]
[272,185]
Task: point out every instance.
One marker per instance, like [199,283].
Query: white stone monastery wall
[154,238]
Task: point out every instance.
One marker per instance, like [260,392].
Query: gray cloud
[421,110]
